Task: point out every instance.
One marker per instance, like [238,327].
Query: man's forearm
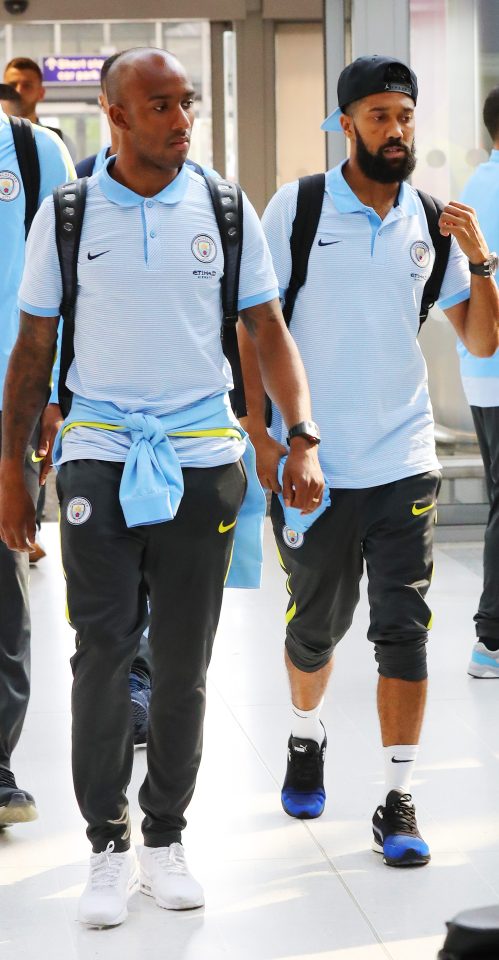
[26,386]
[271,363]
[482,319]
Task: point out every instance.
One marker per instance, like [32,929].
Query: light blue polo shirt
[356,323]
[148,313]
[480,375]
[101,158]
[55,167]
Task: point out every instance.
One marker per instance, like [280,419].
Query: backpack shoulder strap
[69,206]
[227,201]
[433,208]
[196,167]
[29,165]
[308,211]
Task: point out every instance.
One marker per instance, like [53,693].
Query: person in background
[93,163]
[25,76]
[16,804]
[480,378]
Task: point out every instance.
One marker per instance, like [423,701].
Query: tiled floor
[276,889]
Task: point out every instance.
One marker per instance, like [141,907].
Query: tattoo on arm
[254,317]
[27,382]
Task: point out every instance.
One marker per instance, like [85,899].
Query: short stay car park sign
[72,69]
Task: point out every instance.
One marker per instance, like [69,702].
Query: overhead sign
[72,70]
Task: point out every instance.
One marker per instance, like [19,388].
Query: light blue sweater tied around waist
[152,484]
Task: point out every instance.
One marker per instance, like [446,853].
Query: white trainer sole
[176,903]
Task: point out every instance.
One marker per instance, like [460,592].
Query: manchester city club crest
[292,538]
[204,248]
[79,510]
[9,185]
[420,253]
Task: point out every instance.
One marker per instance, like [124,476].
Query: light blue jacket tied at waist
[152,485]
[293,517]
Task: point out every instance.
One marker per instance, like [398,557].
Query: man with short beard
[356,322]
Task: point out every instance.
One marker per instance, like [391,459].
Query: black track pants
[15,629]
[181,566]
[486,420]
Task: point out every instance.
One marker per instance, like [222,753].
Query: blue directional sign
[72,70]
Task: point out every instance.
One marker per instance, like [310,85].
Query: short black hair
[491,113]
[8,93]
[24,63]
[106,66]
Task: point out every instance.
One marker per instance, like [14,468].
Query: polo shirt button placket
[152,226]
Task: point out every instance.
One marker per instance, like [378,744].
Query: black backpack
[69,203]
[308,211]
[473,935]
[29,166]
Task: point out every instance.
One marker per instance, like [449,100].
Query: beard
[377,167]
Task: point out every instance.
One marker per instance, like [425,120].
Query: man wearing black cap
[356,320]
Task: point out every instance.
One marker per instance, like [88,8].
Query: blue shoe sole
[411,858]
[301,813]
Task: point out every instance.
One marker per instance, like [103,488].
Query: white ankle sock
[305,724]
[400,760]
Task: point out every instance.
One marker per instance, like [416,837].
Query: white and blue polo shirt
[480,375]
[356,322]
[55,167]
[148,313]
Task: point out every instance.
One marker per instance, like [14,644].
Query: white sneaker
[113,878]
[165,877]
[484,663]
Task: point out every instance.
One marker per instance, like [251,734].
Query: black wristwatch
[307,429]
[487,268]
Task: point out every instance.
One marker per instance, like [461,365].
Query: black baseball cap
[368,75]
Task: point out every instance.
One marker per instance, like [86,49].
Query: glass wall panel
[455,53]
[300,102]
[86,38]
[33,40]
[126,35]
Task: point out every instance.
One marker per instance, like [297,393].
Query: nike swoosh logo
[401,761]
[327,243]
[222,527]
[93,256]
[417,511]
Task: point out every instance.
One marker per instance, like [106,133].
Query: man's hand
[268,453]
[302,481]
[50,423]
[461,222]
[17,512]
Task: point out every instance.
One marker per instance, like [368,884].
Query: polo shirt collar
[346,201]
[117,193]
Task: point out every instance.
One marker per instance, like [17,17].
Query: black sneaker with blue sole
[396,833]
[16,805]
[303,795]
